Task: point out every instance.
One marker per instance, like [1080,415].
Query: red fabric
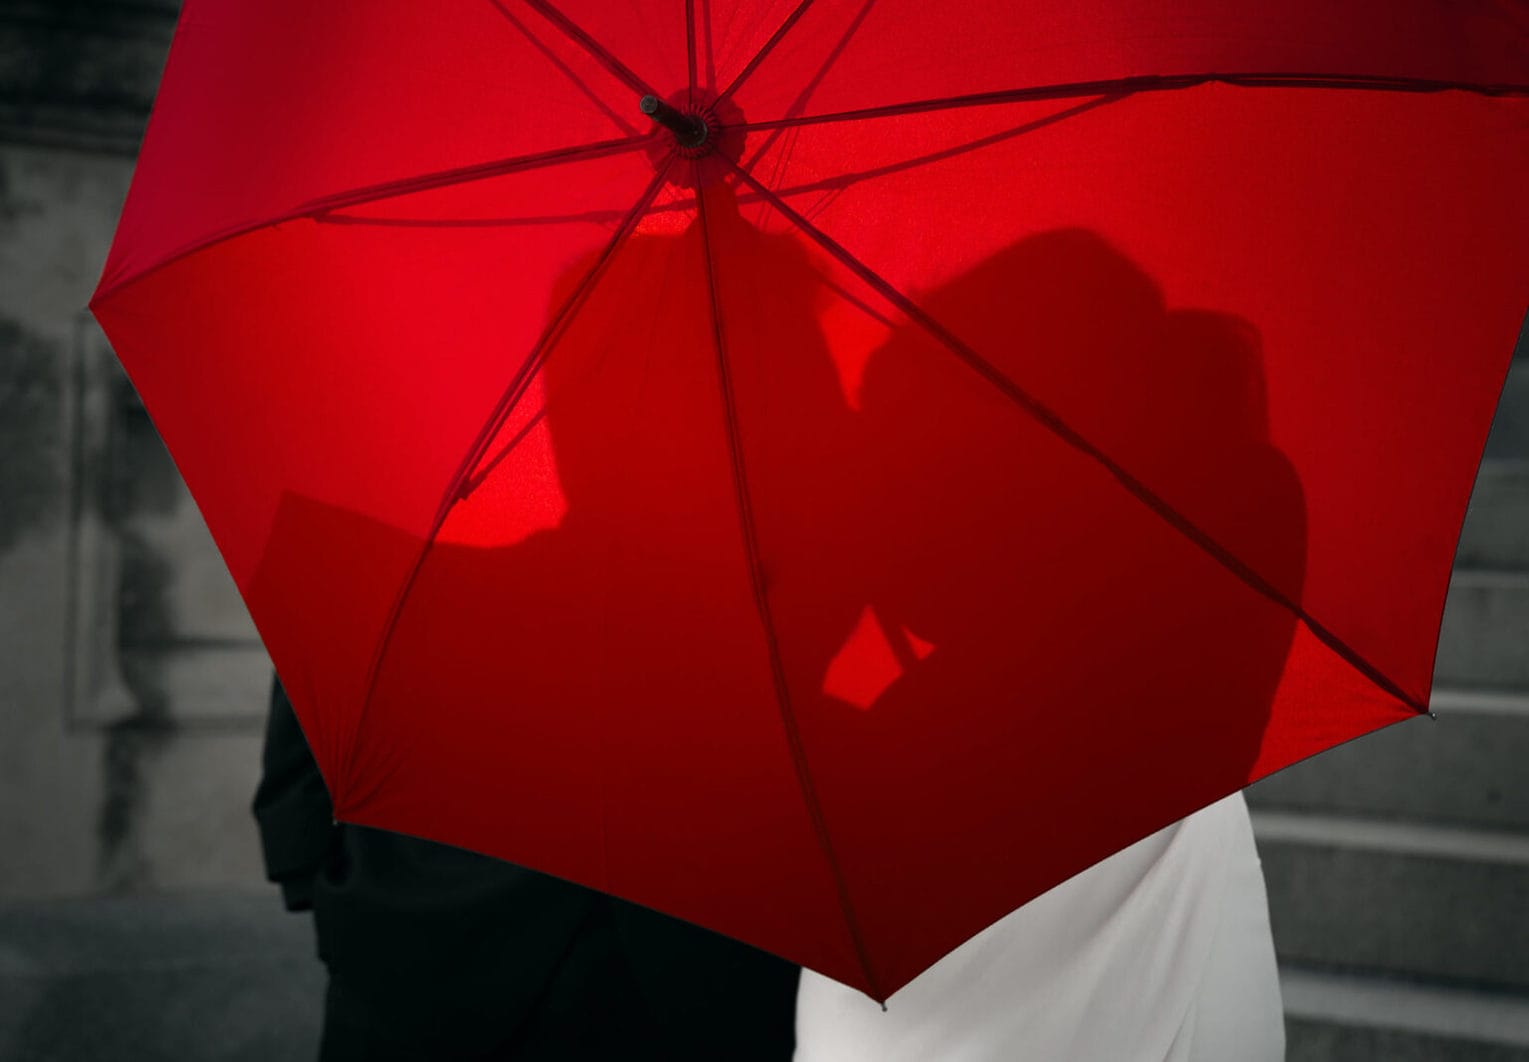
[949,496]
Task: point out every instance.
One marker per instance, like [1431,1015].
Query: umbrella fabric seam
[1053,423]
[315,209]
[761,601]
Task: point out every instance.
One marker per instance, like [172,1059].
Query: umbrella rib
[506,404]
[595,217]
[711,45]
[475,481]
[598,51]
[851,177]
[1149,83]
[762,603]
[690,65]
[766,49]
[423,182]
[466,174]
[564,68]
[811,86]
[1067,434]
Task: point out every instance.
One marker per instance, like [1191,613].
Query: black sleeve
[291,806]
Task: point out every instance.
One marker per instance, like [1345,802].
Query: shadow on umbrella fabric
[1094,674]
[767,610]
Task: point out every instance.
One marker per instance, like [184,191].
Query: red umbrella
[829,472]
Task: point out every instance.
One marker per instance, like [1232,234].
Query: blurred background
[134,919]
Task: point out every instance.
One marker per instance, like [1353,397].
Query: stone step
[1335,1017]
[1398,899]
[1496,531]
[1484,641]
[1467,768]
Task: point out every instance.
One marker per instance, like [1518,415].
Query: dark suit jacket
[438,953]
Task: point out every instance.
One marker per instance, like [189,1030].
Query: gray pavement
[180,977]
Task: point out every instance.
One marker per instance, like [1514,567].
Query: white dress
[1161,953]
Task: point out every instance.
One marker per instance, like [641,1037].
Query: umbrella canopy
[828,471]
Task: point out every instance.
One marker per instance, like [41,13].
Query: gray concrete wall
[132,685]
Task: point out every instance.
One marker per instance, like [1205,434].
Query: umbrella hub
[691,128]
[697,125]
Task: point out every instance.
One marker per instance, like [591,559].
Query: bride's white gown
[1161,953]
